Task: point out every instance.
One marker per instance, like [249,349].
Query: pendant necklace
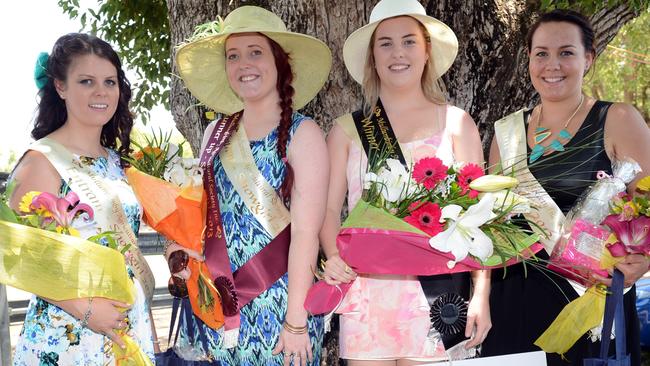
[543,133]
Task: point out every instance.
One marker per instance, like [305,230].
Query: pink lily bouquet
[434,219]
[46,211]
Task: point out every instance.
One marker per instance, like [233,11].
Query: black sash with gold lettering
[446,294]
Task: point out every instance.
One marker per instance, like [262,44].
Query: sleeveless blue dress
[261,319]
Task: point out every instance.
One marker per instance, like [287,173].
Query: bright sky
[28,27]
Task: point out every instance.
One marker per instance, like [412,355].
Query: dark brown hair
[568,16]
[52,113]
[286,92]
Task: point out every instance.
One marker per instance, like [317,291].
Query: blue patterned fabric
[50,336]
[261,319]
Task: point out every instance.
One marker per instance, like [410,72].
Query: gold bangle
[293,329]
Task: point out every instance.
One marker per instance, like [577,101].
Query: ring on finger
[347,269]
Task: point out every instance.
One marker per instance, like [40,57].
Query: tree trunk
[489,78]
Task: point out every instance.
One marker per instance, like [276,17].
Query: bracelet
[86,318]
[293,329]
[166,246]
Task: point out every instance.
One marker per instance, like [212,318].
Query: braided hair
[286,92]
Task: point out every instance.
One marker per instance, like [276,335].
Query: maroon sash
[257,274]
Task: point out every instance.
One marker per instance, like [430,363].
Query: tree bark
[489,78]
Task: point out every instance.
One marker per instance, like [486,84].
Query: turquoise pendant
[564,134]
[556,145]
[536,153]
[541,134]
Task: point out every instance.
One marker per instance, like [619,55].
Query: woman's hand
[633,267]
[296,347]
[106,316]
[478,320]
[185,273]
[337,271]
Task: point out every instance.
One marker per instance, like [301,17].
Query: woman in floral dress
[398,59]
[82,116]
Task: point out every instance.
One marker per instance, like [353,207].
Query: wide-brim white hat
[202,61]
[444,44]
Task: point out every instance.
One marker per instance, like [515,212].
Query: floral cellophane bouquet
[170,189]
[431,220]
[45,224]
[603,227]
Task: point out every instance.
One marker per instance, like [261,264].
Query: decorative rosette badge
[449,317]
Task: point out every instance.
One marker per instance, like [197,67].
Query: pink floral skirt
[386,317]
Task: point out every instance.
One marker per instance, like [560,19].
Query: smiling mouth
[399,67]
[247,78]
[556,79]
[98,106]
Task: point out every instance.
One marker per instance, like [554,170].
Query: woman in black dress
[525,302]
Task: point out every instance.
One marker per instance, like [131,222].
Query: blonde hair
[433,87]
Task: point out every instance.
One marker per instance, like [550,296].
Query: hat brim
[444,46]
[202,66]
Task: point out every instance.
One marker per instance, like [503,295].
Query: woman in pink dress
[398,58]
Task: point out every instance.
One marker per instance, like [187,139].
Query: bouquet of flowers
[170,189]
[433,220]
[41,242]
[580,250]
[605,225]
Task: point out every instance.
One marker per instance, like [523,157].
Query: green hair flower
[40,70]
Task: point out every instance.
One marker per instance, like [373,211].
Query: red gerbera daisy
[429,172]
[466,175]
[426,217]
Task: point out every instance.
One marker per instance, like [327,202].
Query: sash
[109,214]
[377,137]
[237,289]
[510,133]
[441,291]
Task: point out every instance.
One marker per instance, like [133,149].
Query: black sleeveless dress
[525,301]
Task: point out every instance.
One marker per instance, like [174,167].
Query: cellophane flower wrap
[428,220]
[170,189]
[43,252]
[603,227]
[579,252]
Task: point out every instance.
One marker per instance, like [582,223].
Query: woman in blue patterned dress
[83,113]
[254,65]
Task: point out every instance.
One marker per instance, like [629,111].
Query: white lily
[505,199]
[394,181]
[464,234]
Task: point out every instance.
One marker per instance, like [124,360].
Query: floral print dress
[50,336]
[386,317]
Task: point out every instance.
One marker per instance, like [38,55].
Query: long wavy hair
[52,112]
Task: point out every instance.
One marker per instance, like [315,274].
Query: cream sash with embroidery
[510,133]
[258,195]
[109,214]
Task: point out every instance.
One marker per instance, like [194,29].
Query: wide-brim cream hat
[201,61]
[444,44]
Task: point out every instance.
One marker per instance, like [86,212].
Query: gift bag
[170,357]
[613,314]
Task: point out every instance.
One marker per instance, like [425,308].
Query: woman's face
[250,67]
[91,90]
[400,52]
[558,60]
